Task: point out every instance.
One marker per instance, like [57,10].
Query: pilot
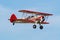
[28,17]
[32,16]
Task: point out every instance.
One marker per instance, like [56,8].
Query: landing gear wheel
[41,27]
[34,26]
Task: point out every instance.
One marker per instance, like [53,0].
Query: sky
[25,31]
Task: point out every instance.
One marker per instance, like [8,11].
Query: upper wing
[33,12]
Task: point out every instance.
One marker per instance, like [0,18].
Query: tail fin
[13,18]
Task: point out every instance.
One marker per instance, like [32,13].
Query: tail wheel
[41,27]
[34,26]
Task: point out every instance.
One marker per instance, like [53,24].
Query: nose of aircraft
[13,18]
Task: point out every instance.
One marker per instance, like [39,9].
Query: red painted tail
[13,18]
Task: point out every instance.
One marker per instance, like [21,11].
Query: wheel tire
[34,26]
[41,27]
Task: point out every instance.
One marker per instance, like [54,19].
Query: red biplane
[37,18]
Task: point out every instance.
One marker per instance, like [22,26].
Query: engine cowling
[13,18]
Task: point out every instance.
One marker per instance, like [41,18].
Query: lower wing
[28,21]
